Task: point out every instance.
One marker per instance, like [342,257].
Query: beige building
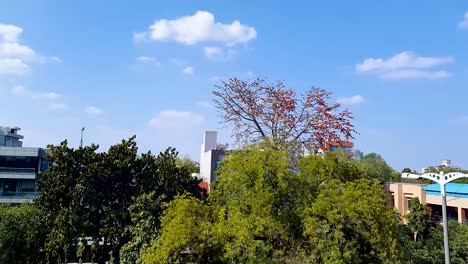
[429,195]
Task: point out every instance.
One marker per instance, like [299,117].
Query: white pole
[441,179]
[445,223]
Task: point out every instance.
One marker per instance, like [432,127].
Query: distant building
[211,155]
[400,195]
[20,167]
[339,147]
[445,164]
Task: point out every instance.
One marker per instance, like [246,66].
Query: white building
[211,154]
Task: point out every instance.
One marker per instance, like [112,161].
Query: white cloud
[402,60]
[171,119]
[15,50]
[414,74]
[13,67]
[9,33]
[21,91]
[93,110]
[188,70]
[353,100]
[200,27]
[405,65]
[58,106]
[15,56]
[250,74]
[464,24]
[148,60]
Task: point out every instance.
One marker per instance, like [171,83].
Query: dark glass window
[19,162]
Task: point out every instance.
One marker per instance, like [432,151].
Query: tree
[258,110]
[161,179]
[419,220]
[377,168]
[21,234]
[358,155]
[351,223]
[259,211]
[114,198]
[189,164]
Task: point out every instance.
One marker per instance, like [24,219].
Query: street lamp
[441,179]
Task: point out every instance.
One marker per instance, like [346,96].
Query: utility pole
[442,179]
[81,141]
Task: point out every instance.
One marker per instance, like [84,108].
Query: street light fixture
[441,179]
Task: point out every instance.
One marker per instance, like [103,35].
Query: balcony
[17,170]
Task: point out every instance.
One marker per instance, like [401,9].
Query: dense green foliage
[424,241]
[113,198]
[125,207]
[261,212]
[376,167]
[21,234]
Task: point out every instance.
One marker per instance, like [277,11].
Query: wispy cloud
[218,53]
[353,100]
[200,27]
[205,104]
[148,60]
[414,74]
[464,23]
[21,91]
[188,70]
[93,110]
[170,119]
[51,98]
[405,65]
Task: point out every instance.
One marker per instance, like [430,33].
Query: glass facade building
[20,167]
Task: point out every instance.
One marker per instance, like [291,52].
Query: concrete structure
[211,155]
[9,137]
[429,195]
[20,167]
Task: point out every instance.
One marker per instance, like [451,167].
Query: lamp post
[81,139]
[442,179]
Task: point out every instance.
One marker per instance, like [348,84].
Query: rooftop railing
[16,195]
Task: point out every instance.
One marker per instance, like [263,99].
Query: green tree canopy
[259,211]
[114,197]
[21,234]
[377,168]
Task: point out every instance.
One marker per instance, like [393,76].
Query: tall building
[211,155]
[20,167]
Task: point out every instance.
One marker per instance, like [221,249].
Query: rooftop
[459,190]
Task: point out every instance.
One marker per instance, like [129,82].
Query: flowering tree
[260,110]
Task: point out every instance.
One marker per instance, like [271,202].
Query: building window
[408,203]
[393,200]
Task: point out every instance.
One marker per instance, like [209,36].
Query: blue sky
[121,68]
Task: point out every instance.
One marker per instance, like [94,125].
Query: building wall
[402,192]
